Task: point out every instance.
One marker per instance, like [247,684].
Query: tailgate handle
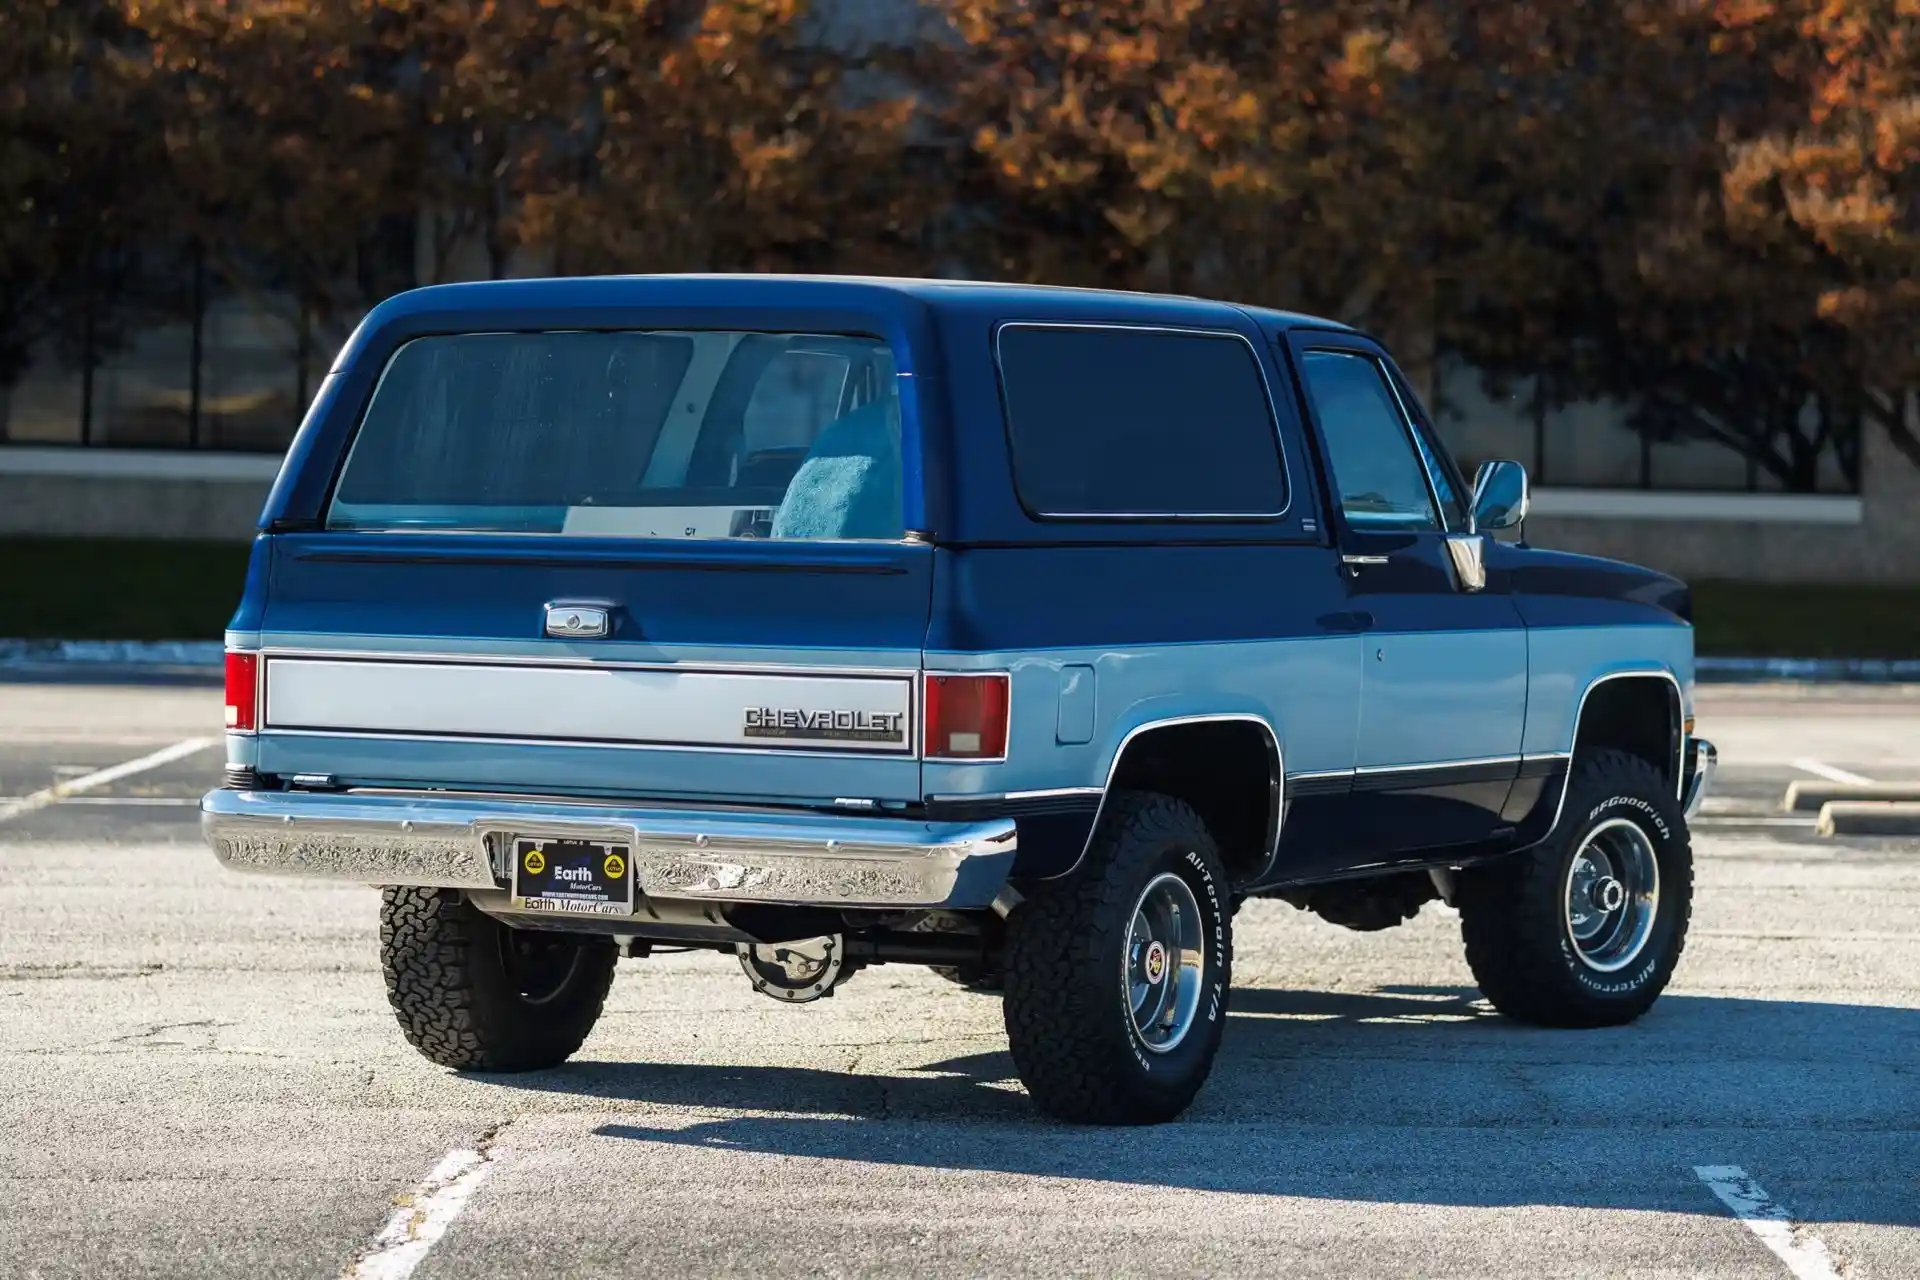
[569,620]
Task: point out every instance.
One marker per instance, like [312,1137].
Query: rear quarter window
[1111,423]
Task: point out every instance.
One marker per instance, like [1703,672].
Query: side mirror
[1499,496]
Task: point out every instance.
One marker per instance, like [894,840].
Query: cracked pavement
[203,1077]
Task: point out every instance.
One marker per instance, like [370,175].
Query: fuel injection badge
[825,726]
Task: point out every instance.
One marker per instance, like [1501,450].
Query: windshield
[657,434]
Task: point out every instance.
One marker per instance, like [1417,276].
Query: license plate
[577,877]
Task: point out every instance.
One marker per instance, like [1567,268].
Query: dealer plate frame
[592,853]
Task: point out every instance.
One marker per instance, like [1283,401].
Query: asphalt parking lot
[203,1079]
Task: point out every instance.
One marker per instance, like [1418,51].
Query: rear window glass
[653,434]
[1139,422]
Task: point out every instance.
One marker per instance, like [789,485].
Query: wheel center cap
[1154,964]
[1609,894]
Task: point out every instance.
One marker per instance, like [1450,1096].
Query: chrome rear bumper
[1701,761]
[722,856]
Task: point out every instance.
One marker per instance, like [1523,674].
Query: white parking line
[1802,1251]
[108,802]
[136,802]
[423,1215]
[1807,764]
[86,782]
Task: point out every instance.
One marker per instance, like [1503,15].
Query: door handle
[1353,564]
[570,620]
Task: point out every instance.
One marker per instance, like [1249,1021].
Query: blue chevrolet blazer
[1019,632]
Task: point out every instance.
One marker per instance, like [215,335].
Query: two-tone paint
[1402,719]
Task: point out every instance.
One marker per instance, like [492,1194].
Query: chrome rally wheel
[1165,958]
[1613,895]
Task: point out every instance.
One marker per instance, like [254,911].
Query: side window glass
[1381,480]
[1111,422]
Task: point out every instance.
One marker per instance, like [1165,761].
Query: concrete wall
[1790,537]
[126,493]
[1874,538]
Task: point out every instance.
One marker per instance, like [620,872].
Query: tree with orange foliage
[283,133]
[600,134]
[480,89]
[1703,210]
[719,136]
[1735,291]
[76,160]
[1573,175]
[1215,146]
[1824,189]
[1340,157]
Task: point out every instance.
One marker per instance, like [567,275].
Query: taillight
[243,674]
[966,717]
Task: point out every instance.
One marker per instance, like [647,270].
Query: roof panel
[797,291]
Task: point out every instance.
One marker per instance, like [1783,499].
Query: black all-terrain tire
[1515,920]
[473,994]
[1069,1021]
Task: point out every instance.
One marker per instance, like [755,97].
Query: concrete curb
[183,662]
[119,653]
[1869,818]
[1812,670]
[1811,797]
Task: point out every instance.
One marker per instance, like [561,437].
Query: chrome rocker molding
[731,856]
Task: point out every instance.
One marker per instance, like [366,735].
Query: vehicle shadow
[1404,1095]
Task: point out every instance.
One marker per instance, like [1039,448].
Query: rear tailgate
[762,671]
[730,502]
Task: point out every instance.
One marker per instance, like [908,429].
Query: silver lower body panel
[447,840]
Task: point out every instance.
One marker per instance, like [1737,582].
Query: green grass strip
[118,588]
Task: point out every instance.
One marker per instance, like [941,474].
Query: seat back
[848,486]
